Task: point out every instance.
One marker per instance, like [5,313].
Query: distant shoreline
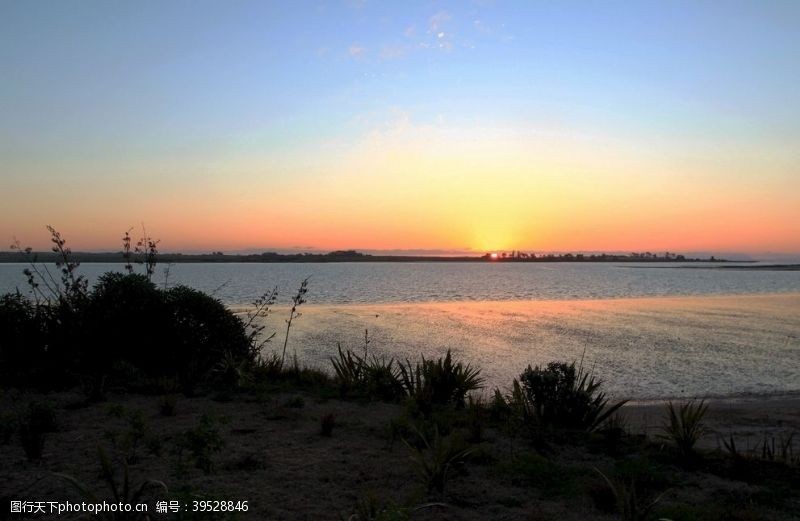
[349,256]
[766,267]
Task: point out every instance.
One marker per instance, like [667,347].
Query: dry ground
[275,458]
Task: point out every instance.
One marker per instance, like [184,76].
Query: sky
[420,126]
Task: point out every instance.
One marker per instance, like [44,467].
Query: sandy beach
[749,420]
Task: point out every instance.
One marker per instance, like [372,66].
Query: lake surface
[345,283]
[650,333]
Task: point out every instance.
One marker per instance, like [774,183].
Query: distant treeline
[355,256]
[519,256]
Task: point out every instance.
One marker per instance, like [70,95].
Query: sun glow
[384,152]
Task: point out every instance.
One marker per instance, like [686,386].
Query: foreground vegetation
[130,391]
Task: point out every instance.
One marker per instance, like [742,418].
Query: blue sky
[166,91]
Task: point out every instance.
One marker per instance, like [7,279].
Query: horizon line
[425,252]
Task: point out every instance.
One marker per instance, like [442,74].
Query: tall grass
[783,451]
[297,301]
[684,425]
[770,448]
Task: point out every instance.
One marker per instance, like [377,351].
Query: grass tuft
[122,490]
[684,425]
[34,423]
[437,458]
[439,382]
[326,425]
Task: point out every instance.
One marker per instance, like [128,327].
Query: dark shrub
[561,395]
[124,331]
[326,425]
[21,341]
[38,419]
[32,441]
[204,330]
[127,332]
[179,333]
[202,443]
[8,426]
[66,339]
[167,404]
[42,415]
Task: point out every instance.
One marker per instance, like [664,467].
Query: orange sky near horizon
[432,187]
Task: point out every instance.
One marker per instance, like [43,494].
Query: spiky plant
[436,458]
[684,425]
[348,368]
[369,376]
[121,491]
[369,508]
[440,382]
[630,504]
[564,396]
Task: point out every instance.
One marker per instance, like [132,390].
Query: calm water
[372,283]
[694,333]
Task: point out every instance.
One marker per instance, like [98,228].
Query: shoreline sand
[749,420]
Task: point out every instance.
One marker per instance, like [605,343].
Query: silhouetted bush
[326,425]
[203,331]
[118,482]
[167,404]
[126,328]
[128,331]
[202,443]
[21,341]
[439,382]
[435,461]
[8,426]
[38,419]
[684,425]
[373,378]
[562,396]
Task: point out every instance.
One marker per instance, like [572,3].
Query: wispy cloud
[357,52]
[438,28]
[393,52]
[481,27]
[437,22]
